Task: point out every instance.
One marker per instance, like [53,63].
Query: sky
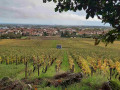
[37,12]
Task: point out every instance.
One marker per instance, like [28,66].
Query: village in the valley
[39,30]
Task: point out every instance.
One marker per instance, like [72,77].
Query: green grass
[21,74]
[10,70]
[55,43]
[23,37]
[115,84]
[89,83]
[50,88]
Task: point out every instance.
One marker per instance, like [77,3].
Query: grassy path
[77,68]
[65,63]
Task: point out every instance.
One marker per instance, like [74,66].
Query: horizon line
[55,24]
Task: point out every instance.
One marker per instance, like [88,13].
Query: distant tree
[65,34]
[10,36]
[73,33]
[62,34]
[26,34]
[84,35]
[106,10]
[45,34]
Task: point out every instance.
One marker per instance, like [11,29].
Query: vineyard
[37,58]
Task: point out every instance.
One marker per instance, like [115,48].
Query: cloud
[37,12]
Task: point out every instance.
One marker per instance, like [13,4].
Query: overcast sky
[37,12]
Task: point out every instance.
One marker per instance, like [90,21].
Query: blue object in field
[59,47]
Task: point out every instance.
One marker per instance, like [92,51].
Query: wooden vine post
[38,66]
[26,70]
[56,68]
[110,73]
[6,60]
[16,60]
[1,60]
[72,70]
[38,69]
